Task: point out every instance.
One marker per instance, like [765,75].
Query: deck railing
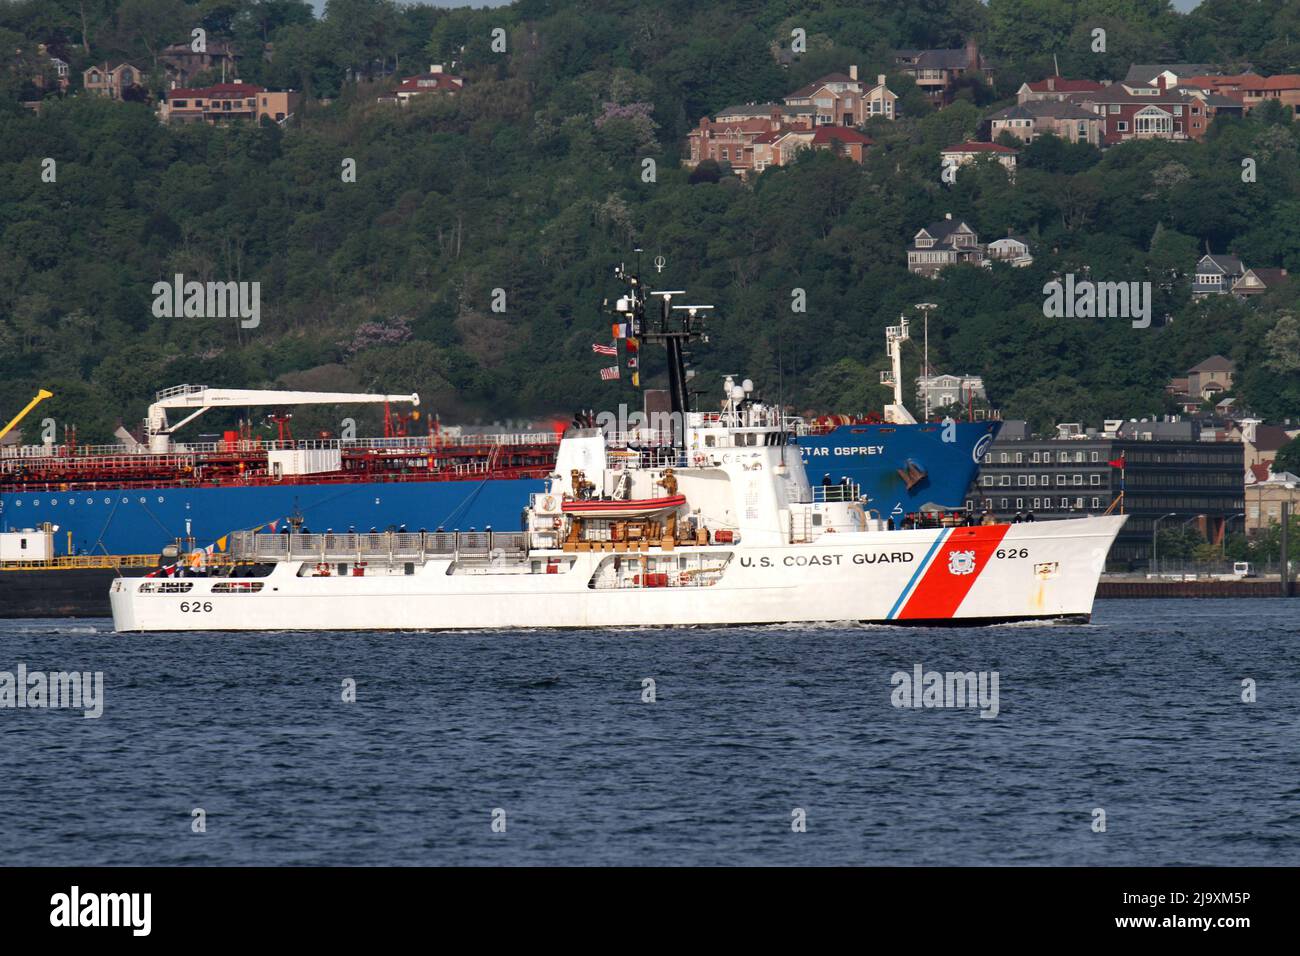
[182,452]
[383,545]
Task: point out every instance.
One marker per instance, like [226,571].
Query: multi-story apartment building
[1168,476]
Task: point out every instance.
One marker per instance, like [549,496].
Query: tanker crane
[41,396]
[200,398]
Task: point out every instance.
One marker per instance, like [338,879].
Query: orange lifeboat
[631,508]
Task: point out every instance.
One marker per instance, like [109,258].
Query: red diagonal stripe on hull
[940,592]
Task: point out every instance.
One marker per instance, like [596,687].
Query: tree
[154,23]
[1288,458]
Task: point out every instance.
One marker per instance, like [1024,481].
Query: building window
[1096,502]
[1094,479]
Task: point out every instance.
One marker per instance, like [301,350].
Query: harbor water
[1176,719]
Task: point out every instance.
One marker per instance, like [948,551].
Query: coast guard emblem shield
[961,562]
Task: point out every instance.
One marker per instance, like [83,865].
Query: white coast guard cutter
[713,524]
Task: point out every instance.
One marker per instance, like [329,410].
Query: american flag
[605,349]
[609,373]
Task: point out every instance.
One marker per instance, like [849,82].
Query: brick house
[841,99]
[1258,281]
[752,143]
[116,81]
[181,62]
[941,244]
[841,141]
[227,102]
[1251,89]
[1055,88]
[1155,112]
[1031,119]
[437,80]
[936,72]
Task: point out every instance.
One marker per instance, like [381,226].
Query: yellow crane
[41,396]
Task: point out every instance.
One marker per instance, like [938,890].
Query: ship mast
[673,328]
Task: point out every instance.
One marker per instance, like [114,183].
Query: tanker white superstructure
[712,523]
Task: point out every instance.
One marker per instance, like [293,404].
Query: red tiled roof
[1245,81]
[1062,85]
[971,146]
[843,134]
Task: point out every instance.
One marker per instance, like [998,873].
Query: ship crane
[41,396]
[200,398]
